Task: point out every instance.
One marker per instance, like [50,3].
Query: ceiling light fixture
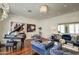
[5,8]
[44,9]
[65,5]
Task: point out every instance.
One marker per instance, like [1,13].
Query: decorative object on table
[40,32]
[62,41]
[31,27]
[55,37]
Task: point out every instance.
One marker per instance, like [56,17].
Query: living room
[41,20]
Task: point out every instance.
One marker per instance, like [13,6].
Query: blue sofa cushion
[38,44]
[67,37]
[49,45]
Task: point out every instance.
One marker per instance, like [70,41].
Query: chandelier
[5,9]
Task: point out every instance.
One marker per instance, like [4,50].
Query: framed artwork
[31,27]
[14,25]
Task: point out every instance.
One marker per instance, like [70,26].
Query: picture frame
[31,27]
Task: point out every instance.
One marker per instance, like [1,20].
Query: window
[71,28]
[77,28]
[61,28]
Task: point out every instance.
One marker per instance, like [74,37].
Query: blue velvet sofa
[68,38]
[56,50]
[40,48]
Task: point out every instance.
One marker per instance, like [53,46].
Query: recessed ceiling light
[65,5]
[44,9]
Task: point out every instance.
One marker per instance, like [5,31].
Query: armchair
[56,50]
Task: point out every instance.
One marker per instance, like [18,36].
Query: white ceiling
[32,10]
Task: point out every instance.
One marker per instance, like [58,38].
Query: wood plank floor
[26,51]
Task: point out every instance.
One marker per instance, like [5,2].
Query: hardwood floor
[26,51]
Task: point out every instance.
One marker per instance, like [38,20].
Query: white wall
[1,30]
[50,25]
[16,18]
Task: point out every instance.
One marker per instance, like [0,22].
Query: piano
[7,36]
[10,36]
[16,38]
[11,39]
